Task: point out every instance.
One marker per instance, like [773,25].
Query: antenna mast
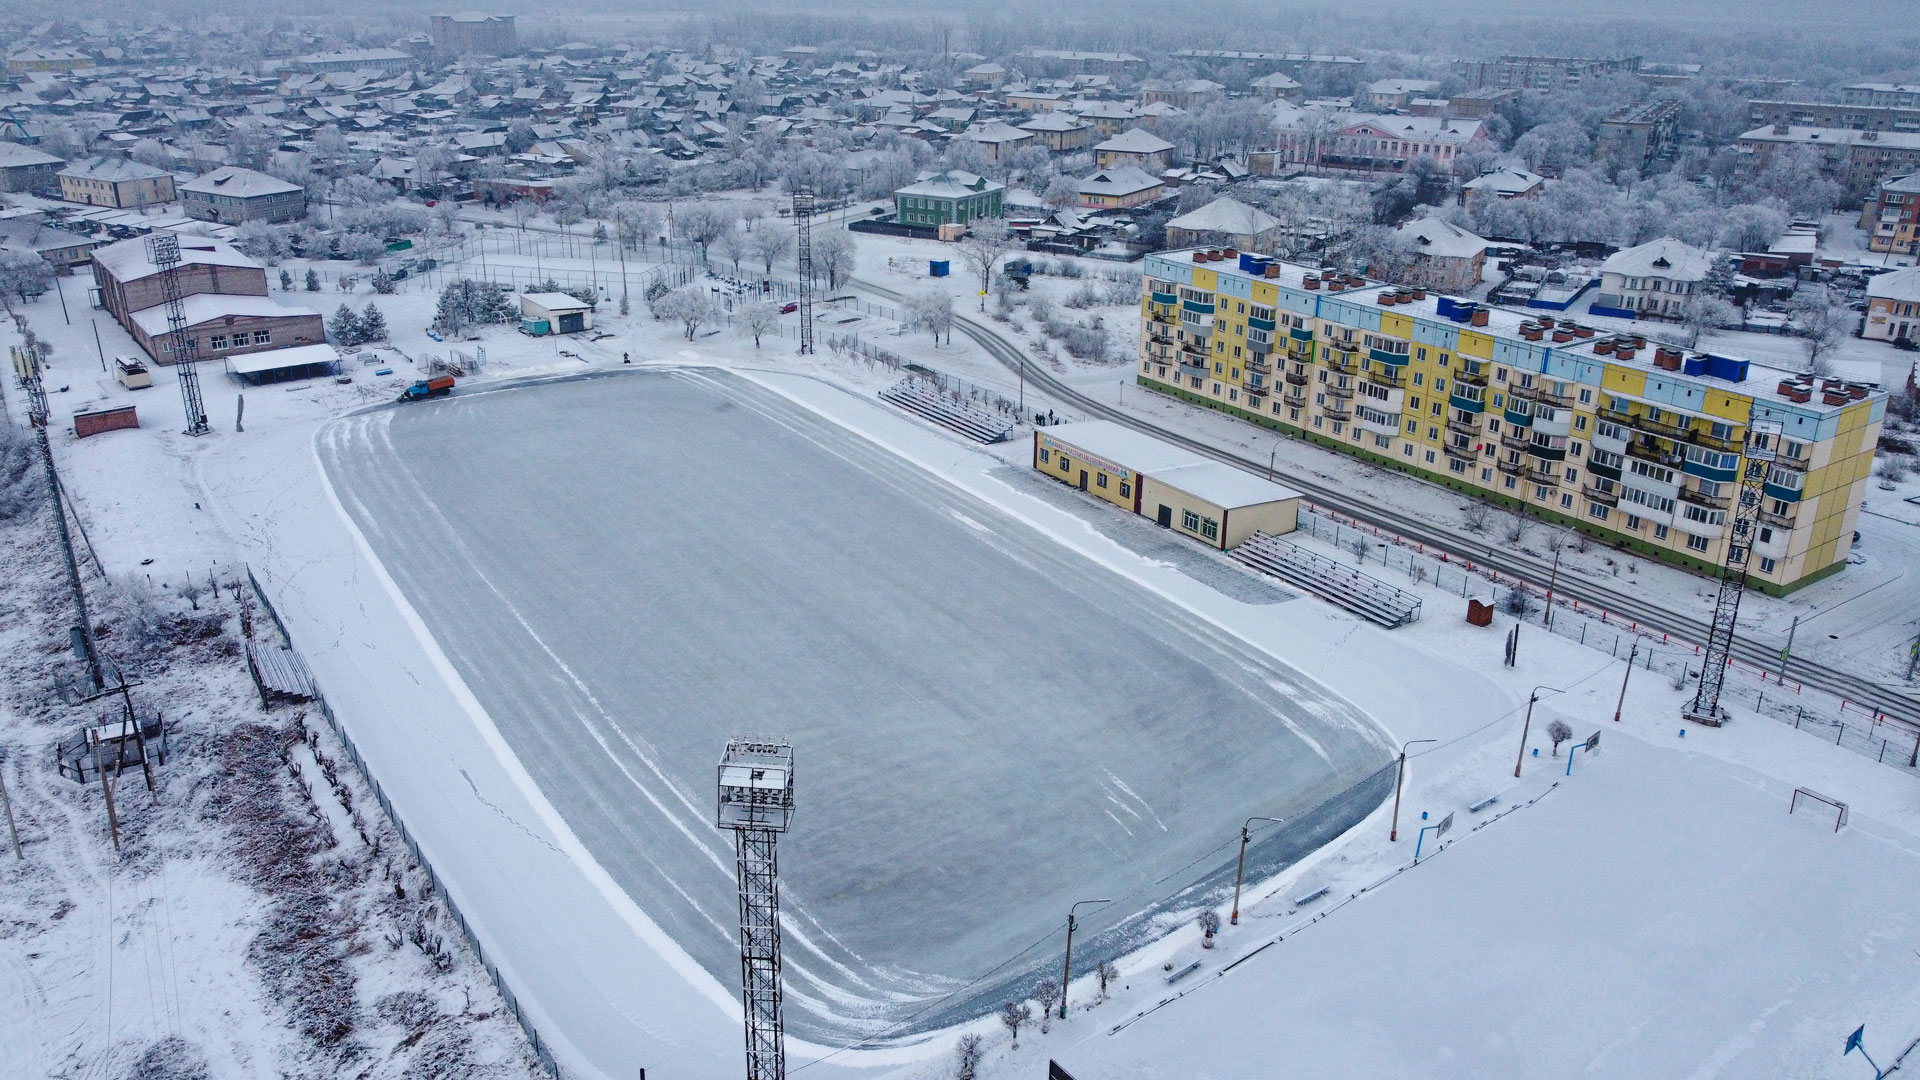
[163,249]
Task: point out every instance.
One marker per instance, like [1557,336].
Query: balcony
[1334,390]
[1194,369]
[1258,362]
[1513,468]
[1648,452]
[1455,450]
[1472,378]
[1515,442]
[1464,427]
[1386,378]
[1716,502]
[1779,521]
[1604,498]
[1519,393]
[1543,476]
[1798,465]
[1336,411]
[1297,378]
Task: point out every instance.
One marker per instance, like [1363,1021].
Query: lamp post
[1240,874]
[1066,970]
[1524,728]
[1618,705]
[1394,834]
[1553,579]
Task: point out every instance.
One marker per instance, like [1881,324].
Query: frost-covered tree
[755,319]
[931,310]
[1821,323]
[373,324]
[1559,732]
[693,306]
[1015,1015]
[1209,921]
[286,280]
[735,244]
[833,257]
[985,244]
[1107,975]
[313,280]
[968,1052]
[24,274]
[344,327]
[701,223]
[1047,994]
[771,245]
[466,302]
[1701,312]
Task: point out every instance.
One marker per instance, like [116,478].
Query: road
[1893,701]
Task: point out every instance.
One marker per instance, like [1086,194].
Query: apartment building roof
[1135,141]
[128,261]
[1831,136]
[1440,239]
[1900,285]
[238,183]
[115,169]
[1663,258]
[205,307]
[16,156]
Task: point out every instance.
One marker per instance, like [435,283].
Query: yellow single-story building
[1211,501]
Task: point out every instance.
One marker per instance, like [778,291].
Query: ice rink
[627,570]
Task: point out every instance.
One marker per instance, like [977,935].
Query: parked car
[789,308]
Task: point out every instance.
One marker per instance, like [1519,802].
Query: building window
[217,342]
[1066,463]
[1456,465]
[1046,456]
[1597,512]
[1696,543]
[1126,489]
[1566,501]
[1633,521]
[1659,532]
[262,337]
[1100,480]
[1210,529]
[1189,521]
[1766,565]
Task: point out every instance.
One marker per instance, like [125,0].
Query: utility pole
[1553,579]
[26,365]
[13,832]
[1399,777]
[1621,704]
[1787,653]
[1239,875]
[1528,726]
[1066,971]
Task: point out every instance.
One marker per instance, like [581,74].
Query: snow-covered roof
[997,132]
[112,168]
[1125,180]
[1440,239]
[238,183]
[1135,141]
[1663,258]
[1901,285]
[1226,215]
[281,359]
[1506,182]
[1204,478]
[127,260]
[951,185]
[205,307]
[1053,121]
[14,156]
[555,301]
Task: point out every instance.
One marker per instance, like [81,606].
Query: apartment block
[1892,217]
[1636,444]
[1542,72]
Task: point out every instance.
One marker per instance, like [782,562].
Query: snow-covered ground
[1645,900]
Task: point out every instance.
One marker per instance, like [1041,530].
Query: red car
[789,309]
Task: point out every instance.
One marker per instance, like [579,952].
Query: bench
[1483,804]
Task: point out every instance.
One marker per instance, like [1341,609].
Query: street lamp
[1066,971]
[1246,834]
[1402,775]
[1524,728]
[1632,654]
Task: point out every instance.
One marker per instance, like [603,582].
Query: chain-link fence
[1855,727]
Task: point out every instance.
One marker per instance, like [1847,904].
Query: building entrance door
[1083,479]
[1166,517]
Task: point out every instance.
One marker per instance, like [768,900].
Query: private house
[1059,132]
[1502,184]
[1134,147]
[1226,223]
[948,198]
[1652,280]
[23,168]
[1119,188]
[1441,255]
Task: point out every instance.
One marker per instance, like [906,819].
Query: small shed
[94,421]
[562,313]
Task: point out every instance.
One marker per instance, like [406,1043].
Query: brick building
[23,168]
[471,33]
[225,297]
[231,195]
[121,183]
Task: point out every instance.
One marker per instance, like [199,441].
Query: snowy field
[990,726]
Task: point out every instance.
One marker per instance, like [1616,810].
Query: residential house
[1182,94]
[23,168]
[1893,306]
[61,249]
[984,76]
[232,195]
[1140,149]
[997,139]
[1277,86]
[118,182]
[1441,255]
[1119,188]
[1060,132]
[952,197]
[1635,136]
[472,33]
[1883,95]
[1652,280]
[1394,94]
[1502,184]
[1225,222]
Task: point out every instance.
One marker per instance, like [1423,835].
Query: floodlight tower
[756,802]
[1758,451]
[163,250]
[803,263]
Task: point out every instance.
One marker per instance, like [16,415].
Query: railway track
[1890,701]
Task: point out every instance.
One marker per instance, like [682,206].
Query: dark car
[789,308]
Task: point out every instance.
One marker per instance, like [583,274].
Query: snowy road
[989,726]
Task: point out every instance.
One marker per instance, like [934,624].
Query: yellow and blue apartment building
[1635,443]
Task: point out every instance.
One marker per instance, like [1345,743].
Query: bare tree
[1107,974]
[1519,601]
[756,318]
[968,1051]
[982,248]
[1822,325]
[1476,516]
[1517,527]
[1015,1015]
[1559,732]
[702,224]
[1048,994]
[1701,312]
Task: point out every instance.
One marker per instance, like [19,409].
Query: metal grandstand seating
[1368,597]
[927,402]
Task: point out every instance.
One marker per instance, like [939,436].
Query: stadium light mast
[756,802]
[1758,450]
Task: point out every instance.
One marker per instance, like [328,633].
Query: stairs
[929,403]
[1368,597]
